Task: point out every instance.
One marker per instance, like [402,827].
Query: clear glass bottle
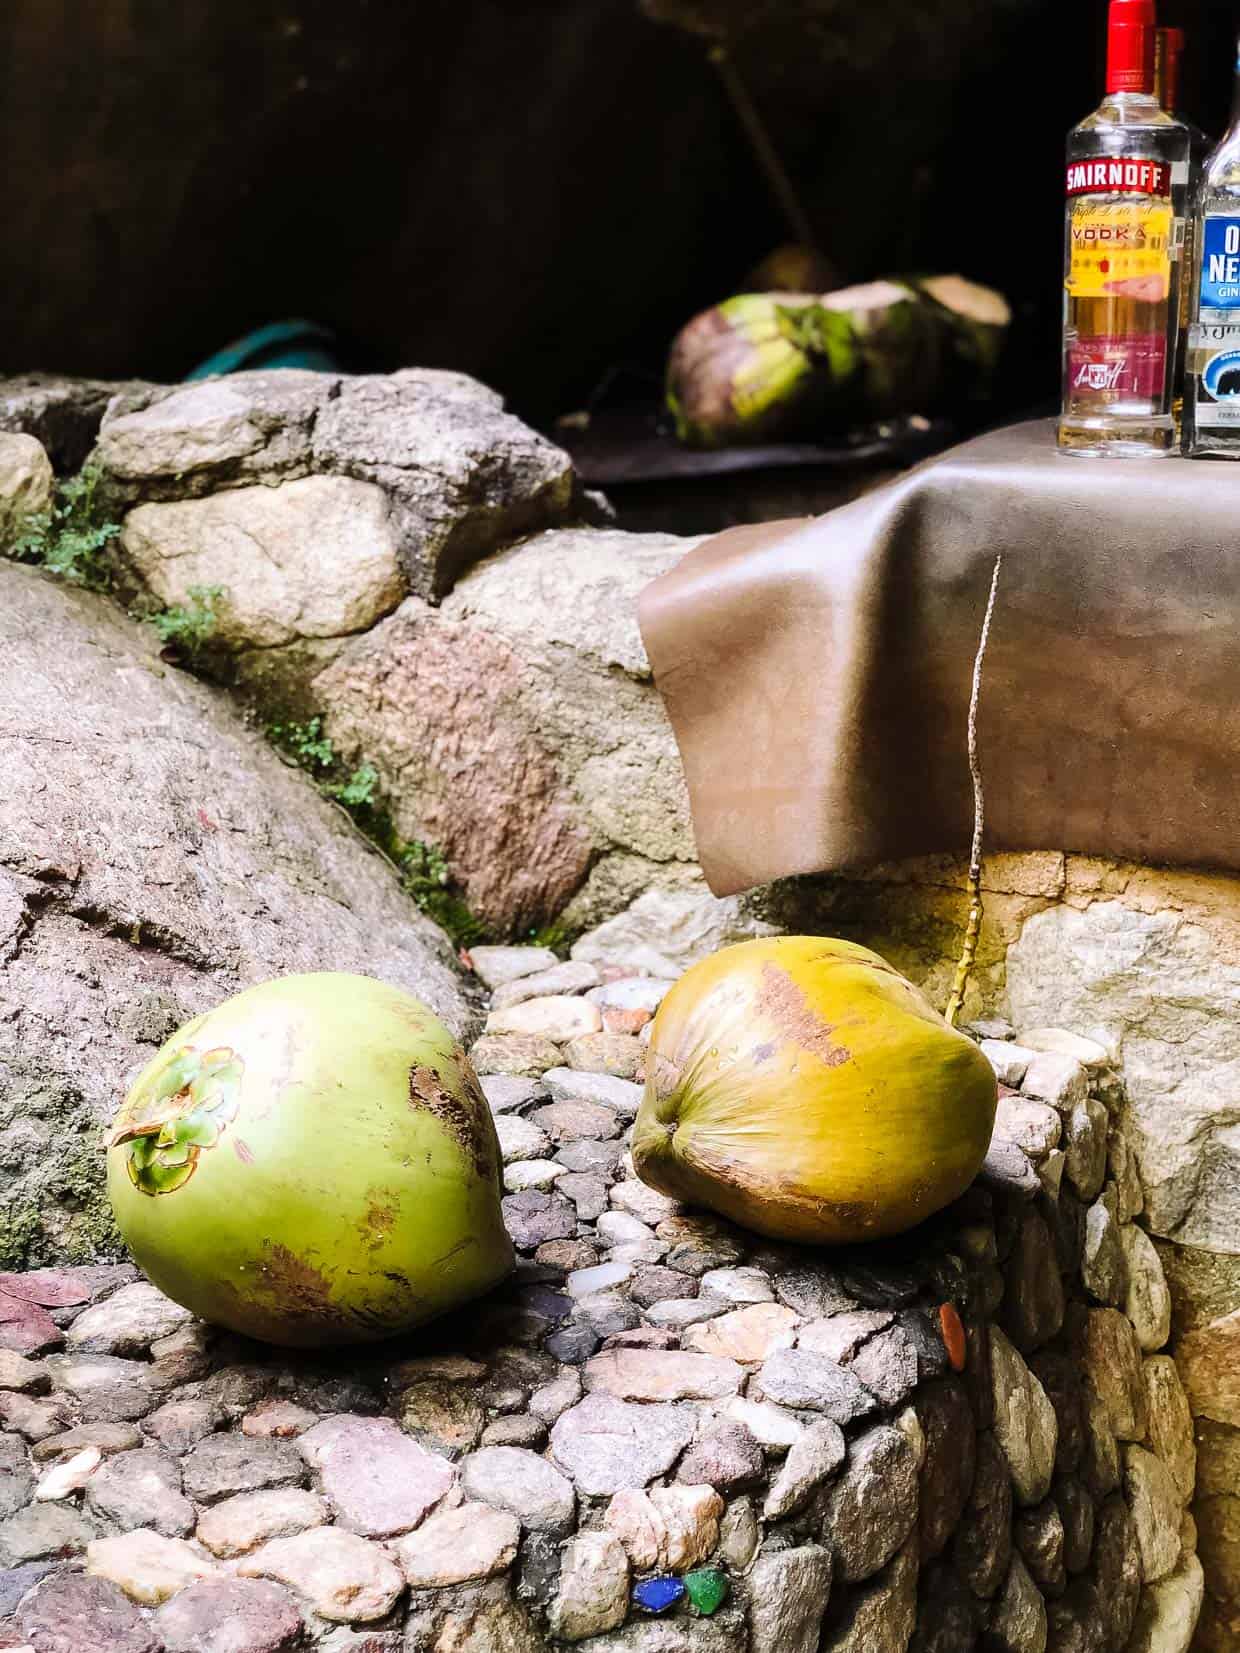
[1127,185]
[1212,376]
[1169,50]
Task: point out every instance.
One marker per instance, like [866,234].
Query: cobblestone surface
[663,1435]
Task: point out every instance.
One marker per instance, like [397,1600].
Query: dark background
[529,190]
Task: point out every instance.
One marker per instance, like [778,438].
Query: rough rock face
[1108,969]
[629,1448]
[25,481]
[518,728]
[63,414]
[154,858]
[459,475]
[316,558]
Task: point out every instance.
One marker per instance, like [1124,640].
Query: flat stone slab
[68,1612]
[345,1578]
[222,1465]
[232,1615]
[523,1483]
[378,1481]
[799,1378]
[606,1444]
[663,1374]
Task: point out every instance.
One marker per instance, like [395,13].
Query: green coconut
[736,374]
[312,1162]
[978,320]
[895,334]
[785,365]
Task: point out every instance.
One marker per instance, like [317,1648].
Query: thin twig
[973,925]
[763,146]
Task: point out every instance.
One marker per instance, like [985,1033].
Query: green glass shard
[707,1589]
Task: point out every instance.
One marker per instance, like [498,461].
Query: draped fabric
[817,672]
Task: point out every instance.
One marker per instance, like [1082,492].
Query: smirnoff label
[1127,175]
[1120,249]
[1118,365]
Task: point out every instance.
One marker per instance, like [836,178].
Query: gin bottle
[1212,378]
[1127,190]
[1169,48]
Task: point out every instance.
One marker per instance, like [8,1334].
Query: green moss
[81,1186]
[63,1217]
[424,874]
[92,1235]
[188,627]
[423,871]
[53,1202]
[358,792]
[20,1231]
[305,743]
[71,539]
[556,935]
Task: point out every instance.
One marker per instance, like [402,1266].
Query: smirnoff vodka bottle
[1127,188]
[1212,378]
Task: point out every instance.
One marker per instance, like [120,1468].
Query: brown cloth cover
[817,672]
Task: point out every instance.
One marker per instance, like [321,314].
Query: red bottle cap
[1174,42]
[1130,46]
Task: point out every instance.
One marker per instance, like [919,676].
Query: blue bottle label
[1222,376]
[1220,263]
[1218,389]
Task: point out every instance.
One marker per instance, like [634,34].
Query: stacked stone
[665,1435]
[330,514]
[1102,1529]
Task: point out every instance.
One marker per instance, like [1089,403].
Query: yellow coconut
[805,1089]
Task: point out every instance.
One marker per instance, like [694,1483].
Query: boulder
[25,483]
[155,857]
[459,475]
[179,440]
[517,728]
[64,414]
[1162,990]
[315,558]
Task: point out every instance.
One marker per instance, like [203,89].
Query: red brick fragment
[952,1329]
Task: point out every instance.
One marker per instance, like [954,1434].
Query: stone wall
[501,694]
[665,1435]
[1144,961]
[515,727]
